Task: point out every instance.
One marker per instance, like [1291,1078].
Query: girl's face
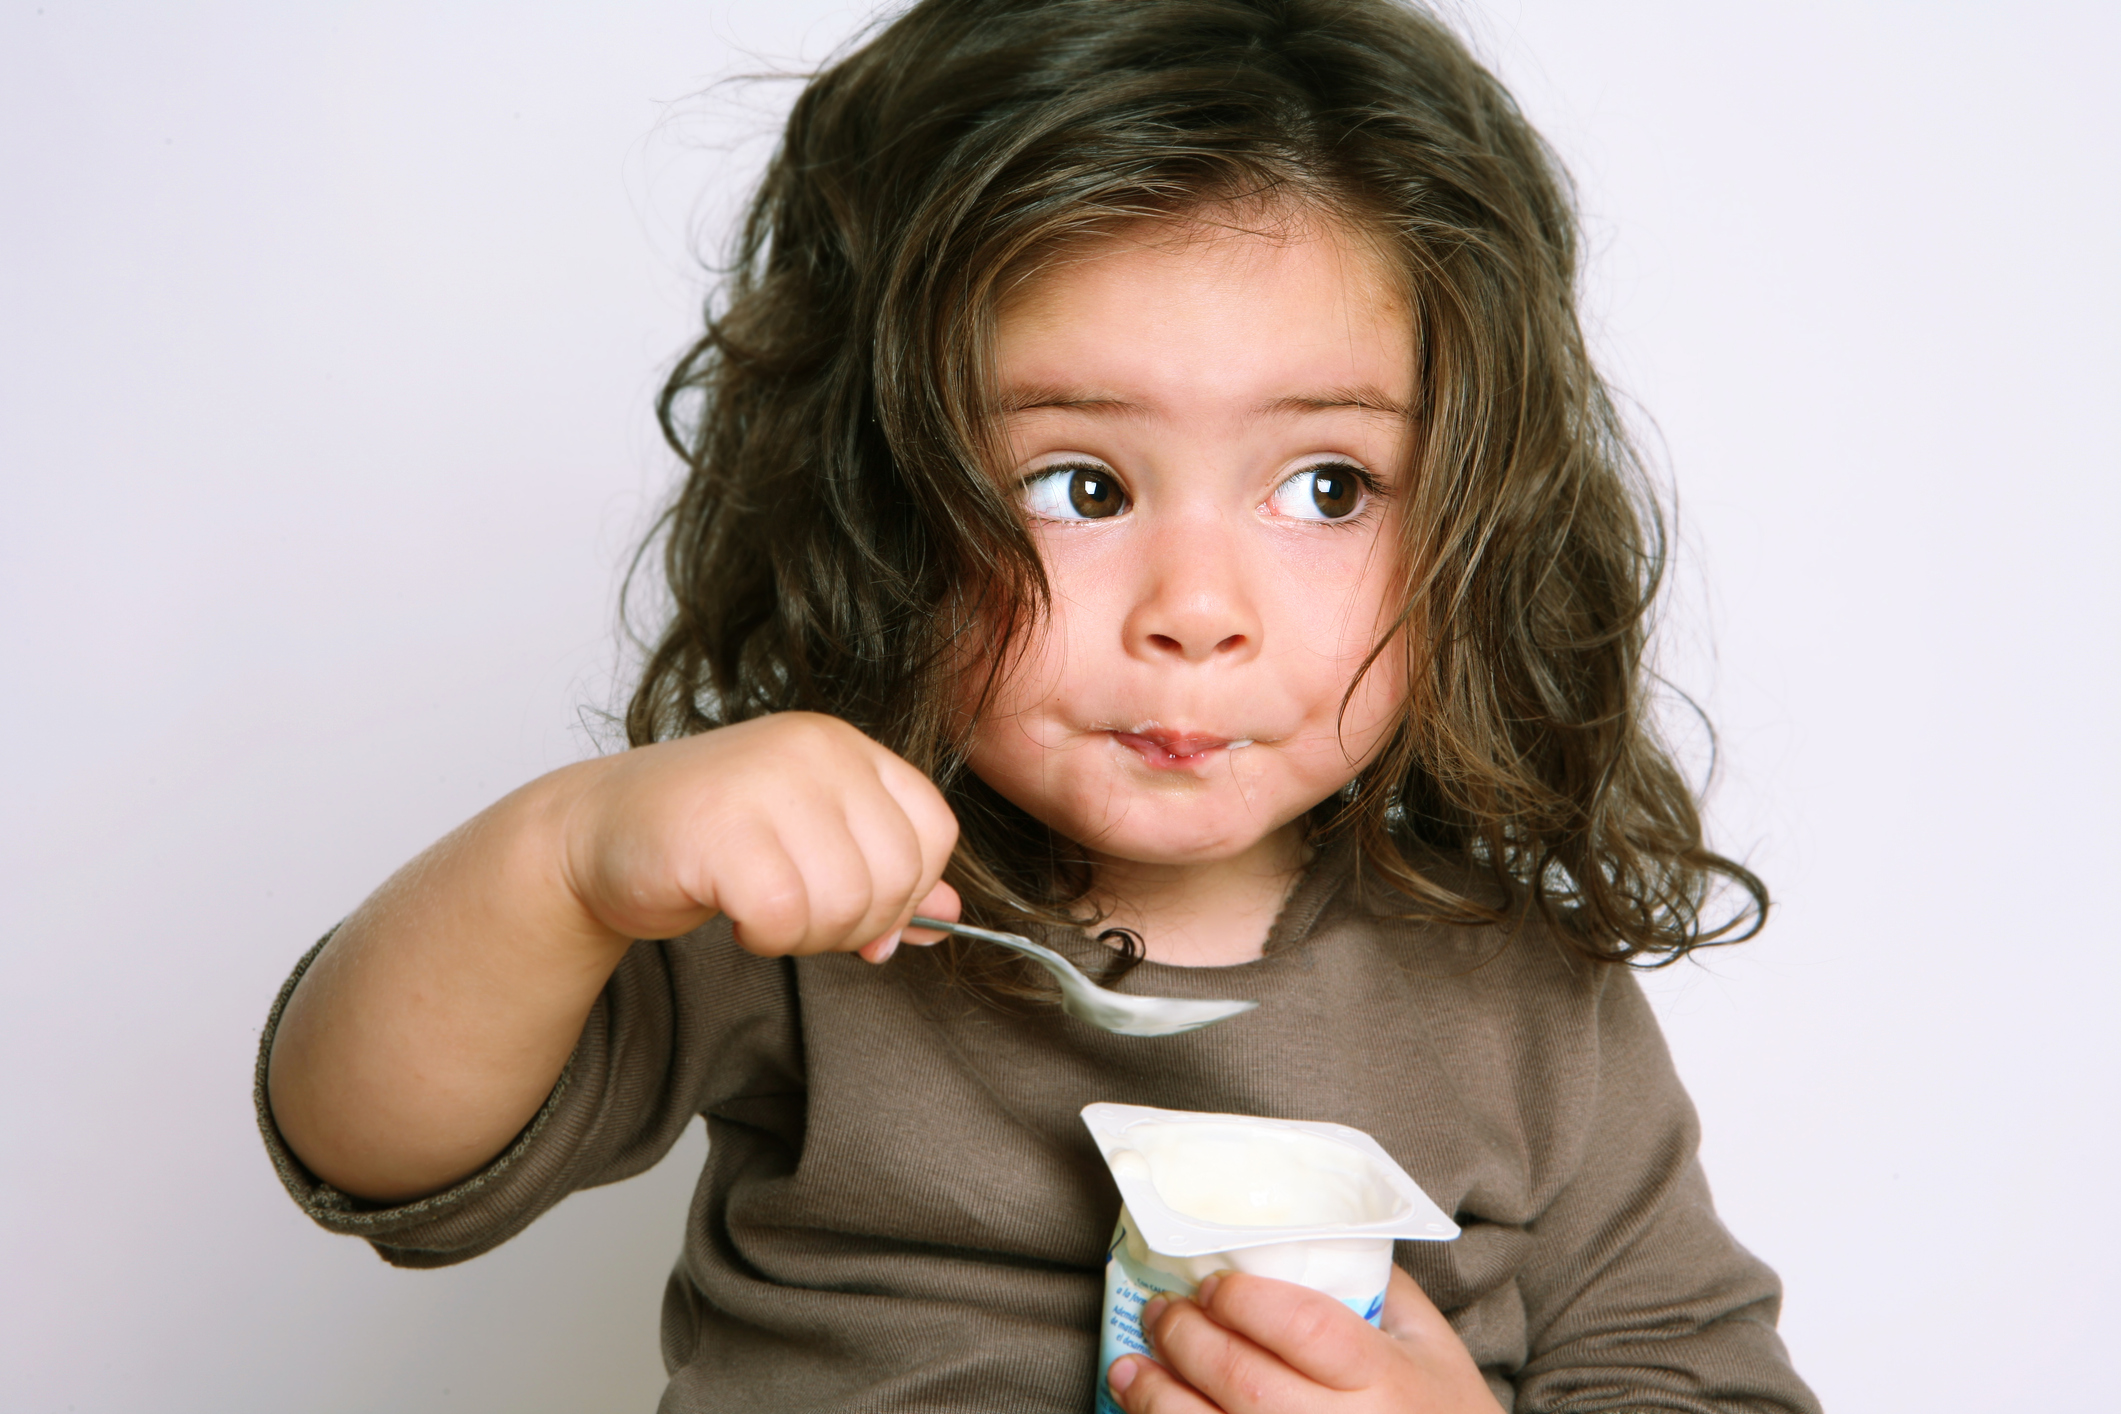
[1207,430]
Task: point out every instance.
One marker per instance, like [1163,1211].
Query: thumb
[1421,1331]
[1409,1314]
[939,902]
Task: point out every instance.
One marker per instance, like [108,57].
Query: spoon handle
[1014,941]
[1123,1014]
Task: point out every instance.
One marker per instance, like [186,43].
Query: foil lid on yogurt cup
[1201,1183]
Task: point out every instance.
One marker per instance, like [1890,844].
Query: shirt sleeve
[682,1025]
[1640,1298]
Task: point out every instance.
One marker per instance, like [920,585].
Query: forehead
[1210,316]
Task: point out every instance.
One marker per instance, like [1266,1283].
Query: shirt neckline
[1322,880]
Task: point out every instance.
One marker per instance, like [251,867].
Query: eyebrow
[1364,397]
[1361,397]
[1038,399]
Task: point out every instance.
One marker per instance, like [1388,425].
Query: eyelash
[1372,489]
[1058,469]
[1373,492]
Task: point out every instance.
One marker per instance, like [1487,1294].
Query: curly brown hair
[837,536]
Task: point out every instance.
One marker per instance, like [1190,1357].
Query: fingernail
[1207,1288]
[1124,1370]
[882,949]
[1154,1309]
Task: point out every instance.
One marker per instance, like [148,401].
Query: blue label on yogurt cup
[1129,1286]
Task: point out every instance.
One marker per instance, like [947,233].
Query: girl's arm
[435,1022]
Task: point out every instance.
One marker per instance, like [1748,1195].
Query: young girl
[1146,488]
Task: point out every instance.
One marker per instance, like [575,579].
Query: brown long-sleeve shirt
[901,1209]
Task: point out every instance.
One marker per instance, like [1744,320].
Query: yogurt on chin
[1317,1204]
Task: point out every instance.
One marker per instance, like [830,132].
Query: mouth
[1165,751]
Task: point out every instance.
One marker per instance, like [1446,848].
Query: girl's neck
[1212,914]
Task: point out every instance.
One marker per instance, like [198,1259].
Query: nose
[1194,601]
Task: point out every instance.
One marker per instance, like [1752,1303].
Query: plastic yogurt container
[1316,1204]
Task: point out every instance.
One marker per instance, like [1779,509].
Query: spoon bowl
[1117,1012]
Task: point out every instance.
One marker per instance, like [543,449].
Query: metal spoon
[1116,1012]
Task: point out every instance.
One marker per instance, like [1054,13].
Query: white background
[327,340]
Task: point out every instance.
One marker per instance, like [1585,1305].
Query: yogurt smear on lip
[1167,749]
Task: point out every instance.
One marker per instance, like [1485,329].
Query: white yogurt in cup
[1316,1204]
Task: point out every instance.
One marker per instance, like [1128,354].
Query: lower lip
[1175,755]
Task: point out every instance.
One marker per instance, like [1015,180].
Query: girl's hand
[1249,1345]
[808,834]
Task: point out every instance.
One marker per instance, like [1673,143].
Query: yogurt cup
[1317,1204]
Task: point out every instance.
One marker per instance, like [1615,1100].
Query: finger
[1409,1314]
[867,867]
[907,834]
[808,840]
[939,902]
[1144,1387]
[1318,1337]
[1234,1372]
[864,862]
[929,813]
[1412,1321]
[892,861]
[762,891]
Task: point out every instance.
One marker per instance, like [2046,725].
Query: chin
[1201,833]
[1165,852]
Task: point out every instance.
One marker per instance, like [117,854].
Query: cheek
[999,676]
[1018,744]
[1378,702]
[1084,602]
[1368,607]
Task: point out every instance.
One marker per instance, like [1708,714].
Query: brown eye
[1074,493]
[1329,492]
[1335,493]
[1093,494]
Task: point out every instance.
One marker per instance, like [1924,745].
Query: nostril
[1165,642]
[1231,644]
